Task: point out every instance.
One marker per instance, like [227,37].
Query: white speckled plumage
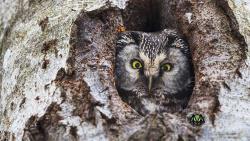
[170,90]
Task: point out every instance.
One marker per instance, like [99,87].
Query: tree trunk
[57,69]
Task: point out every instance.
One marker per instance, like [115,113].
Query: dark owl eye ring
[167,67]
[136,64]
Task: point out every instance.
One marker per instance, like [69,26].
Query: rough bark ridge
[57,61]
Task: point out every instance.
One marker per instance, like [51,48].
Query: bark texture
[57,61]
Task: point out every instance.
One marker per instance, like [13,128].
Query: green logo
[196,119]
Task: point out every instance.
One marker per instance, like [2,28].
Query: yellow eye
[167,67]
[136,64]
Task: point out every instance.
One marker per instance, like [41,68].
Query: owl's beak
[150,83]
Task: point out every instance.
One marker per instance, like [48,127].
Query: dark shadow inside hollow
[149,15]
[152,16]
[142,16]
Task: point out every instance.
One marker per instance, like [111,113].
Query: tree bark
[57,69]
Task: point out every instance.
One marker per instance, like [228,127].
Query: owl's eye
[167,67]
[136,64]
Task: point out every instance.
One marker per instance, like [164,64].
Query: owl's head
[152,62]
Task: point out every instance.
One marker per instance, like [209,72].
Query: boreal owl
[153,71]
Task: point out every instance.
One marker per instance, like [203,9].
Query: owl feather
[153,71]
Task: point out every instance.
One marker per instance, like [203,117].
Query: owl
[153,71]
